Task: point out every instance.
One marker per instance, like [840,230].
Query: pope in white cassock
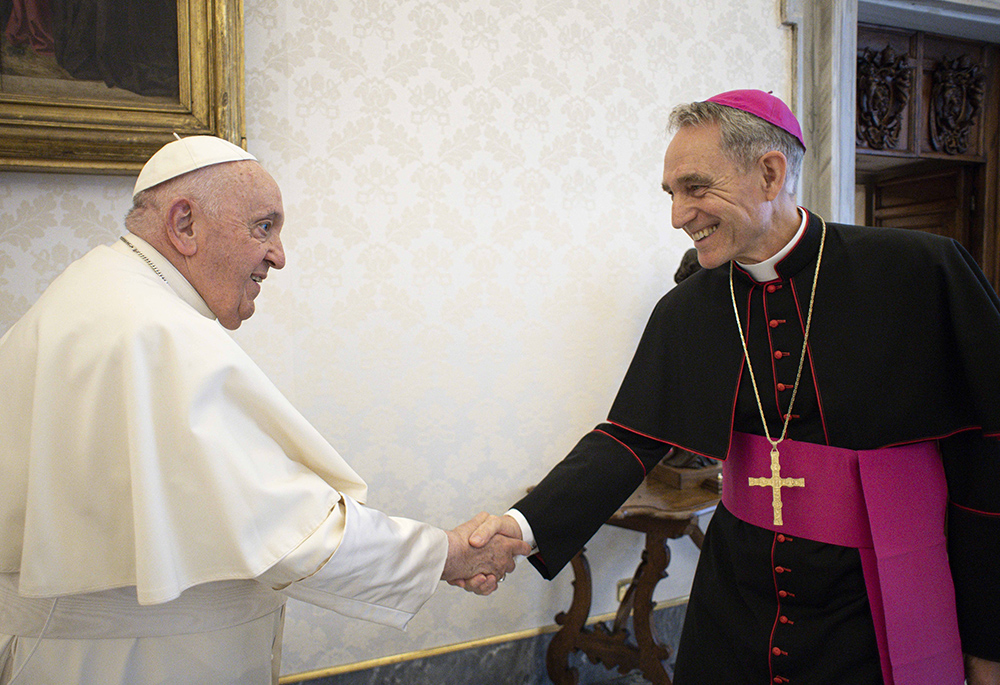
[161,498]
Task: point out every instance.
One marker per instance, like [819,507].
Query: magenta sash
[890,504]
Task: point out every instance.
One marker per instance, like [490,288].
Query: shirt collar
[171,275]
[765,271]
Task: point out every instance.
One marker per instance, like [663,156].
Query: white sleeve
[382,569]
[526,533]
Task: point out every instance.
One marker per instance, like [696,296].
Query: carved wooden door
[927,137]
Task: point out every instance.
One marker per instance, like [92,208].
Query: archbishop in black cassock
[903,345]
[902,349]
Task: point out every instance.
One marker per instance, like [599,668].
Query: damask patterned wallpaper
[475,237]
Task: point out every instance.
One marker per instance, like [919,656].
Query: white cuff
[526,533]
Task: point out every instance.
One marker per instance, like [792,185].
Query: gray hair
[745,137]
[208,186]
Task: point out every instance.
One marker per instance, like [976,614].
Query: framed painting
[97,86]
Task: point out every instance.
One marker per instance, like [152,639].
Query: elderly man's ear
[181,227]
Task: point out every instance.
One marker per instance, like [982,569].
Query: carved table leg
[565,640]
[694,531]
[651,654]
[609,647]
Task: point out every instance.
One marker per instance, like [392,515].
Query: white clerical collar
[762,272]
[166,271]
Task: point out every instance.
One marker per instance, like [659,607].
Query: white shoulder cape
[141,446]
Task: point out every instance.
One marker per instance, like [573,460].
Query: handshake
[481,552]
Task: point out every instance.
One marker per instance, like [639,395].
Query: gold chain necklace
[775,482]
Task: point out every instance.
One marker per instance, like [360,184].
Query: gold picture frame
[45,132]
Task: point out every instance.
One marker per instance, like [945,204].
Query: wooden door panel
[936,202]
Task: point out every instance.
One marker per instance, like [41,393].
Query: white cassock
[162,499]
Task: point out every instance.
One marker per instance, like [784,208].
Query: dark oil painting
[92,50]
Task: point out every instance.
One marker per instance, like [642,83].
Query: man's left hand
[980,671]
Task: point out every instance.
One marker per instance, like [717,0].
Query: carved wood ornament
[883,93]
[957,93]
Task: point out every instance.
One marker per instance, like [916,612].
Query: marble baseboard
[516,662]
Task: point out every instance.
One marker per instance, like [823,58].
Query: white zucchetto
[187,154]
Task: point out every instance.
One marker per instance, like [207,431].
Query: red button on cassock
[776,652]
[783,619]
[779,569]
[781,538]
[782,593]
[779,354]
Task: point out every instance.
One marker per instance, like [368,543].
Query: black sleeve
[583,490]
[972,467]
[972,460]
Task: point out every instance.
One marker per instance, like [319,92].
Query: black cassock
[904,347]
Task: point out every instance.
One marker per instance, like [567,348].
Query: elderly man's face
[718,204]
[241,244]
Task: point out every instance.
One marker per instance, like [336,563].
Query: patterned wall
[475,237]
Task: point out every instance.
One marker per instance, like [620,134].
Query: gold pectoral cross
[776,482]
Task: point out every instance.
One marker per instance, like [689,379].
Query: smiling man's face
[718,204]
[239,242]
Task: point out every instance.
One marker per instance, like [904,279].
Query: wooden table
[662,513]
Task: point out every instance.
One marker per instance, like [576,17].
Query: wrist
[454,542]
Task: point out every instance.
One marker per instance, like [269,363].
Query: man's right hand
[479,558]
